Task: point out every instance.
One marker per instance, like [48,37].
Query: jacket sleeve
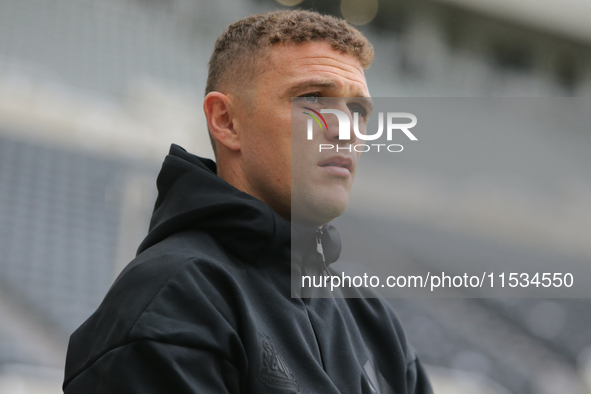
[416,378]
[397,359]
[160,333]
[149,367]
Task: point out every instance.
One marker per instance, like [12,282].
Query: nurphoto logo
[345,129]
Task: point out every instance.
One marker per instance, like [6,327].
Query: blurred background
[93,93]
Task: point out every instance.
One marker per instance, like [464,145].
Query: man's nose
[332,133]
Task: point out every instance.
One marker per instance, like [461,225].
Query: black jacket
[205,307]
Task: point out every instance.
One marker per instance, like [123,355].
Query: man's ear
[219,113]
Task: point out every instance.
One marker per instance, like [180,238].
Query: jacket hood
[192,197]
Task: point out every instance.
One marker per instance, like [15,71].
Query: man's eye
[312,99]
[361,111]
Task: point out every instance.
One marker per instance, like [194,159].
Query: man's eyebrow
[310,83]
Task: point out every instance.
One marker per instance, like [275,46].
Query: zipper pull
[320,251]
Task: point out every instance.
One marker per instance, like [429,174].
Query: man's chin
[317,215]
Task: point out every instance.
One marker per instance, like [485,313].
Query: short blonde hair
[236,51]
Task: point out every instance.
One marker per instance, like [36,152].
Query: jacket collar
[192,196]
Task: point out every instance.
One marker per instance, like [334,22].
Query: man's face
[319,183]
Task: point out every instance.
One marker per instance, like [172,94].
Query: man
[206,307]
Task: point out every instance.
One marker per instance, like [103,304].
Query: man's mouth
[340,164]
[334,164]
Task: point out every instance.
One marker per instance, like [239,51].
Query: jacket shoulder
[164,295]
